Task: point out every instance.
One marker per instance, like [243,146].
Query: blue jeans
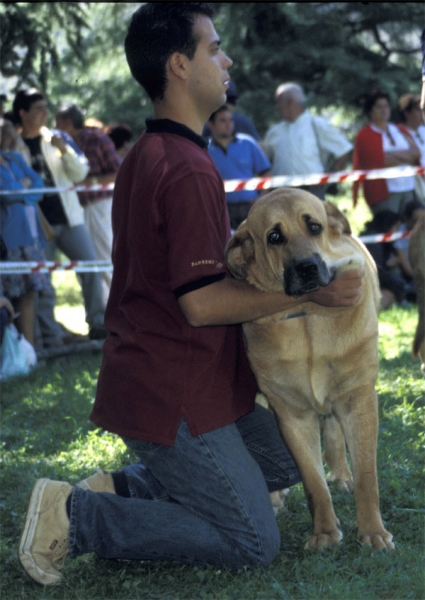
[203,501]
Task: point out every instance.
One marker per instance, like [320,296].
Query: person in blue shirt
[22,237]
[242,123]
[236,156]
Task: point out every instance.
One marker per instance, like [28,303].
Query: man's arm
[232,301]
[340,163]
[403,157]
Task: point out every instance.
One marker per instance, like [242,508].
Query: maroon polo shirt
[170,227]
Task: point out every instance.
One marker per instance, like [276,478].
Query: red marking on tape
[54,266]
[71,265]
[39,266]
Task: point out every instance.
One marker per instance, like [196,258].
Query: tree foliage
[336,50]
[32,35]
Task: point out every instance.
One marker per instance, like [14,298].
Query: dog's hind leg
[335,455]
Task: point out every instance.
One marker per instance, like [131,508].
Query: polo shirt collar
[218,145]
[304,116]
[169,126]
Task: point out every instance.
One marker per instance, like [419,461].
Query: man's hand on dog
[345,290]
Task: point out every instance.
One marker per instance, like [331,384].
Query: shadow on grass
[402,361]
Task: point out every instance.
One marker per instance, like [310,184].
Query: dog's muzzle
[306,275]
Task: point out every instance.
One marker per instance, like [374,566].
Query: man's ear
[337,221]
[178,64]
[240,252]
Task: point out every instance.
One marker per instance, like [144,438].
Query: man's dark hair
[382,222]
[9,116]
[119,134]
[156,31]
[24,99]
[72,112]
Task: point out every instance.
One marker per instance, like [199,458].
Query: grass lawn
[46,433]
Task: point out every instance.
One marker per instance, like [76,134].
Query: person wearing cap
[242,124]
[302,144]
[412,126]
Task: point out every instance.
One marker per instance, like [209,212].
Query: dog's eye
[275,238]
[314,228]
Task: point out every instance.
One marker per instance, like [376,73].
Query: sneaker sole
[27,536]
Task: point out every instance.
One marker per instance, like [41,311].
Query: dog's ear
[240,252]
[336,220]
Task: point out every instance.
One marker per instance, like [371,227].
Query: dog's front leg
[335,455]
[359,421]
[301,433]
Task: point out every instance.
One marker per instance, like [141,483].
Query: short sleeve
[331,139]
[197,229]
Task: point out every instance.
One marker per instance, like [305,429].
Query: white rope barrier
[94,266]
[78,266]
[259,183]
[256,183]
[266,183]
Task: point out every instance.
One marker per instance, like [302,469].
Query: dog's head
[290,240]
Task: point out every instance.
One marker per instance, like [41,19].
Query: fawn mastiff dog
[314,360]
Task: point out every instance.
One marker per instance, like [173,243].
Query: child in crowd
[393,287]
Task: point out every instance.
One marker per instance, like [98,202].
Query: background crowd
[87,152]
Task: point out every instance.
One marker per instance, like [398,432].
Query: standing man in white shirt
[301,143]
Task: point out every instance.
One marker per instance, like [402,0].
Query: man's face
[223,126]
[285,106]
[209,75]
[36,116]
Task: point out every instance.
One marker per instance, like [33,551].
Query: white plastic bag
[29,350]
[17,354]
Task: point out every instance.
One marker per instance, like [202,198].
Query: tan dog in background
[315,360]
[417,260]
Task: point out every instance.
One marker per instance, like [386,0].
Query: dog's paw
[382,540]
[342,483]
[324,540]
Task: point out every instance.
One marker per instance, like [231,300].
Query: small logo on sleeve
[206,261]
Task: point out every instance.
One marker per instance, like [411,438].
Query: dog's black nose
[307,269]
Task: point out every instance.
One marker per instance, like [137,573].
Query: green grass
[46,433]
